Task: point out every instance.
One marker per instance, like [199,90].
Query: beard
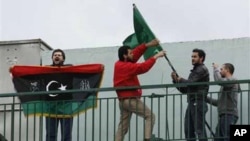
[195,63]
[222,75]
[57,62]
[130,60]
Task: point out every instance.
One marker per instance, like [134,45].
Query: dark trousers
[2,138]
[52,126]
[194,124]
[223,127]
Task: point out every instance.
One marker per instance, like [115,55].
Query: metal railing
[100,123]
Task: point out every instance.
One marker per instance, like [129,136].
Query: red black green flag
[34,79]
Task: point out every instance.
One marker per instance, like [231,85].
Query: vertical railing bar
[241,103]
[144,104]
[152,103]
[93,119]
[34,131]
[167,130]
[100,120]
[181,111]
[12,119]
[196,115]
[107,119]
[41,124]
[136,123]
[173,116]
[114,115]
[248,103]
[4,132]
[27,125]
[211,113]
[159,118]
[20,123]
[85,126]
[78,119]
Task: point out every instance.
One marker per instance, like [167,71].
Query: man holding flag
[195,117]
[58,58]
[57,106]
[125,74]
[126,71]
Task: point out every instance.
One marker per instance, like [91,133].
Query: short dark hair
[59,50]
[229,67]
[123,50]
[201,53]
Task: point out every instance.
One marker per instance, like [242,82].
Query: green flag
[143,34]
[131,41]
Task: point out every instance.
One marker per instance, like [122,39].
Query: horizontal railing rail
[247,81]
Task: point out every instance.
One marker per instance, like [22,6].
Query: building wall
[236,51]
[21,52]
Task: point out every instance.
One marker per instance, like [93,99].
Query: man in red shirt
[125,74]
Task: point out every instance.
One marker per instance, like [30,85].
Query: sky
[69,24]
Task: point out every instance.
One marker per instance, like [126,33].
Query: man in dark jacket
[196,96]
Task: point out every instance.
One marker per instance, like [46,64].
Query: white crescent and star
[62,87]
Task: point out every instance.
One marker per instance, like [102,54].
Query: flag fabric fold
[35,79]
[131,41]
[142,34]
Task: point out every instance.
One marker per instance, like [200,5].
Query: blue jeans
[52,126]
[195,117]
[223,127]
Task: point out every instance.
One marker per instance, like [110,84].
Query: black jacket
[199,92]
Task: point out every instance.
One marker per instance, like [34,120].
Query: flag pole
[170,64]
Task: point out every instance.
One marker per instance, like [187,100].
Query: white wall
[1,20]
[22,52]
[236,51]
[169,112]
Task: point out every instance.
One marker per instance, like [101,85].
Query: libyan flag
[30,80]
[142,34]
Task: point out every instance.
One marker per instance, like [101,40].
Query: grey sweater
[227,97]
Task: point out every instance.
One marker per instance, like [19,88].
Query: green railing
[100,124]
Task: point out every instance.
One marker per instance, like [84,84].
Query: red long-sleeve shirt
[125,73]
